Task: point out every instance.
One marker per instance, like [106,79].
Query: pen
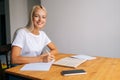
[48,52]
[49,55]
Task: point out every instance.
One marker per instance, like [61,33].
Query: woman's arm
[53,48]
[18,59]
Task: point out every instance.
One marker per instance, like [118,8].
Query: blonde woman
[29,41]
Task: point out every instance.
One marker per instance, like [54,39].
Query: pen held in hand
[48,52]
[52,57]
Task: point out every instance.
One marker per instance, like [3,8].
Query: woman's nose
[39,19]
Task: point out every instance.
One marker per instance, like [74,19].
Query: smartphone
[73,72]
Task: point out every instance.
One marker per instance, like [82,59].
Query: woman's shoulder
[22,30]
[42,32]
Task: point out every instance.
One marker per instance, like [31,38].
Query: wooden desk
[102,68]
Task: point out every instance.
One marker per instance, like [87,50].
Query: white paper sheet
[84,57]
[37,66]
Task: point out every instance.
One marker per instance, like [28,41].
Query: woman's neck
[35,31]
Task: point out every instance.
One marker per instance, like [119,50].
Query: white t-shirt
[32,45]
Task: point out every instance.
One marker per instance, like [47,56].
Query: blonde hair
[30,25]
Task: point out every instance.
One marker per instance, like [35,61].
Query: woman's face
[39,18]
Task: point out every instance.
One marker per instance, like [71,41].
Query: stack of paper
[84,57]
[37,66]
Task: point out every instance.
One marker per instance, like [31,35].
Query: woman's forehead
[39,10]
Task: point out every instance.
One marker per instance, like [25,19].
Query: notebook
[69,62]
[73,61]
[41,66]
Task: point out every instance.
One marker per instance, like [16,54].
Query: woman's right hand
[46,57]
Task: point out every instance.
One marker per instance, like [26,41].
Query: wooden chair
[2,75]
[4,50]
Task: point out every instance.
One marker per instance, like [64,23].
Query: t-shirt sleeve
[47,40]
[19,39]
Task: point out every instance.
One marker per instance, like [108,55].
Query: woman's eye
[36,16]
[44,17]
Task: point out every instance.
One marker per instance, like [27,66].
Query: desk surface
[102,68]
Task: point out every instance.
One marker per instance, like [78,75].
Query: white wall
[19,10]
[18,14]
[84,26]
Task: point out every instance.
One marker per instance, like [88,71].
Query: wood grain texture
[102,68]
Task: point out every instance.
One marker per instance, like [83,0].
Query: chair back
[2,76]
[5,48]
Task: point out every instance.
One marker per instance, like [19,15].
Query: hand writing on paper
[47,57]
